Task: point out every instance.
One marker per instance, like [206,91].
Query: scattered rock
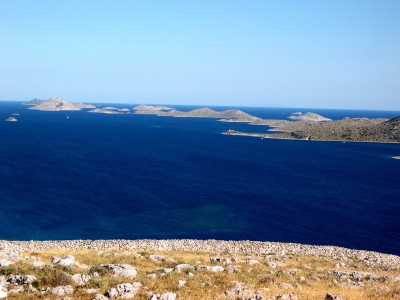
[181,267]
[99,297]
[285,297]
[20,279]
[62,290]
[124,290]
[80,279]
[181,283]
[5,263]
[156,257]
[286,286]
[333,297]
[214,269]
[253,262]
[165,296]
[122,270]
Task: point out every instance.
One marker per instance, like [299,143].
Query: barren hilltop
[193,269]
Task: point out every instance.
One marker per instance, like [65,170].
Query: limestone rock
[165,296]
[99,297]
[5,262]
[214,269]
[181,283]
[333,297]
[124,290]
[253,262]
[80,279]
[62,290]
[179,268]
[3,290]
[67,261]
[156,257]
[122,270]
[286,297]
[3,294]
[286,286]
[20,279]
[38,264]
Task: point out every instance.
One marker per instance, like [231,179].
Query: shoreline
[268,136]
[219,246]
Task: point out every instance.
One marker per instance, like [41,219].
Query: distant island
[11,119]
[307,126]
[55,104]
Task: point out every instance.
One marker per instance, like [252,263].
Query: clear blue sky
[316,54]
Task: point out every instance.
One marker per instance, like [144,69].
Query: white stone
[123,270]
[62,290]
[165,296]
[3,294]
[179,268]
[99,297]
[80,279]
[124,290]
[157,258]
[252,262]
[181,283]
[5,263]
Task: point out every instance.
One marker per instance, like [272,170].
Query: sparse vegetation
[306,276]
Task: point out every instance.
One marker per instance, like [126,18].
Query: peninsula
[347,129]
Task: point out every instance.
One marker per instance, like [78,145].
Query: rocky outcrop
[57,104]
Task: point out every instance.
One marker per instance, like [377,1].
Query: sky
[283,53]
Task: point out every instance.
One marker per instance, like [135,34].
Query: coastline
[270,136]
[215,246]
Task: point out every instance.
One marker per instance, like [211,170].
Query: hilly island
[307,126]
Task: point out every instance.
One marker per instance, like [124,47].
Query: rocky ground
[193,269]
[348,129]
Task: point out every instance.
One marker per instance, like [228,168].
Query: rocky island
[56,104]
[110,110]
[11,119]
[347,129]
[231,115]
[307,126]
[193,269]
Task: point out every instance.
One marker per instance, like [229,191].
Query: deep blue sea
[98,176]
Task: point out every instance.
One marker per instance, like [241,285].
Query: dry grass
[308,281]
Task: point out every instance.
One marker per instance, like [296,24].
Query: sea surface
[79,175]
